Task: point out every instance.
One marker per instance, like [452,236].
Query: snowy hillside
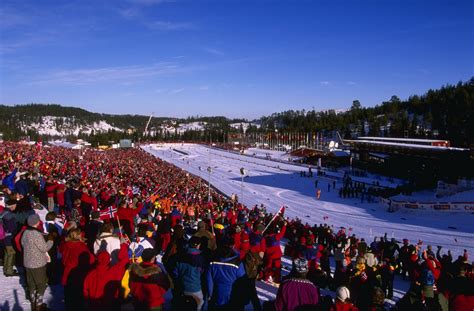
[64,126]
[193,126]
[243,125]
[172,127]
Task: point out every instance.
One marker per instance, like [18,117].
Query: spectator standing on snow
[10,227]
[35,259]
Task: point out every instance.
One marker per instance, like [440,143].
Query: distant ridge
[446,113]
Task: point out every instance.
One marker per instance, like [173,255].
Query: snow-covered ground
[276,184]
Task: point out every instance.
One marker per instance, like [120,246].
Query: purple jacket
[294,293]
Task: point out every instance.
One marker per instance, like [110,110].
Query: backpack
[427,277]
[2,230]
[17,239]
[252,263]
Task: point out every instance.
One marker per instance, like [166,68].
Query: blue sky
[233,58]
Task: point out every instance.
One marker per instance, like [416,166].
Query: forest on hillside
[444,113]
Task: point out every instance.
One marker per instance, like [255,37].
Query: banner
[441,206]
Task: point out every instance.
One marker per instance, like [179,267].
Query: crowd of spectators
[121,227]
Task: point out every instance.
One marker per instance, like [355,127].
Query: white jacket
[110,243]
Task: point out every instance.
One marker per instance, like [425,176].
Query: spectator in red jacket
[102,284]
[88,203]
[432,264]
[273,254]
[50,192]
[60,189]
[126,213]
[76,260]
[244,244]
[148,284]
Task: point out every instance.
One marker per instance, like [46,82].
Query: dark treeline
[445,113]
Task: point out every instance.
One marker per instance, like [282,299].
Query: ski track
[276,184]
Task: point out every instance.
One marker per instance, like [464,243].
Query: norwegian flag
[135,190]
[108,213]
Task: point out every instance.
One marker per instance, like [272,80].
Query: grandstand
[421,161]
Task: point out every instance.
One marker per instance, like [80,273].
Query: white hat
[343,293]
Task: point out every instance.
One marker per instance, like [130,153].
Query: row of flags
[310,139]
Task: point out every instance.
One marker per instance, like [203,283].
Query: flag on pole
[280,211]
[108,212]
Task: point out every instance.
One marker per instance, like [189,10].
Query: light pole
[276,133]
[209,169]
[200,178]
[187,187]
[242,175]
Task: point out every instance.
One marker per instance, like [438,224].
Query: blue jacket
[21,186]
[310,253]
[175,212]
[9,180]
[188,271]
[221,276]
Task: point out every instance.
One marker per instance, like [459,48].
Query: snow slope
[276,184]
[63,126]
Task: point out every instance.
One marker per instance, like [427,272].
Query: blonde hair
[74,235]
